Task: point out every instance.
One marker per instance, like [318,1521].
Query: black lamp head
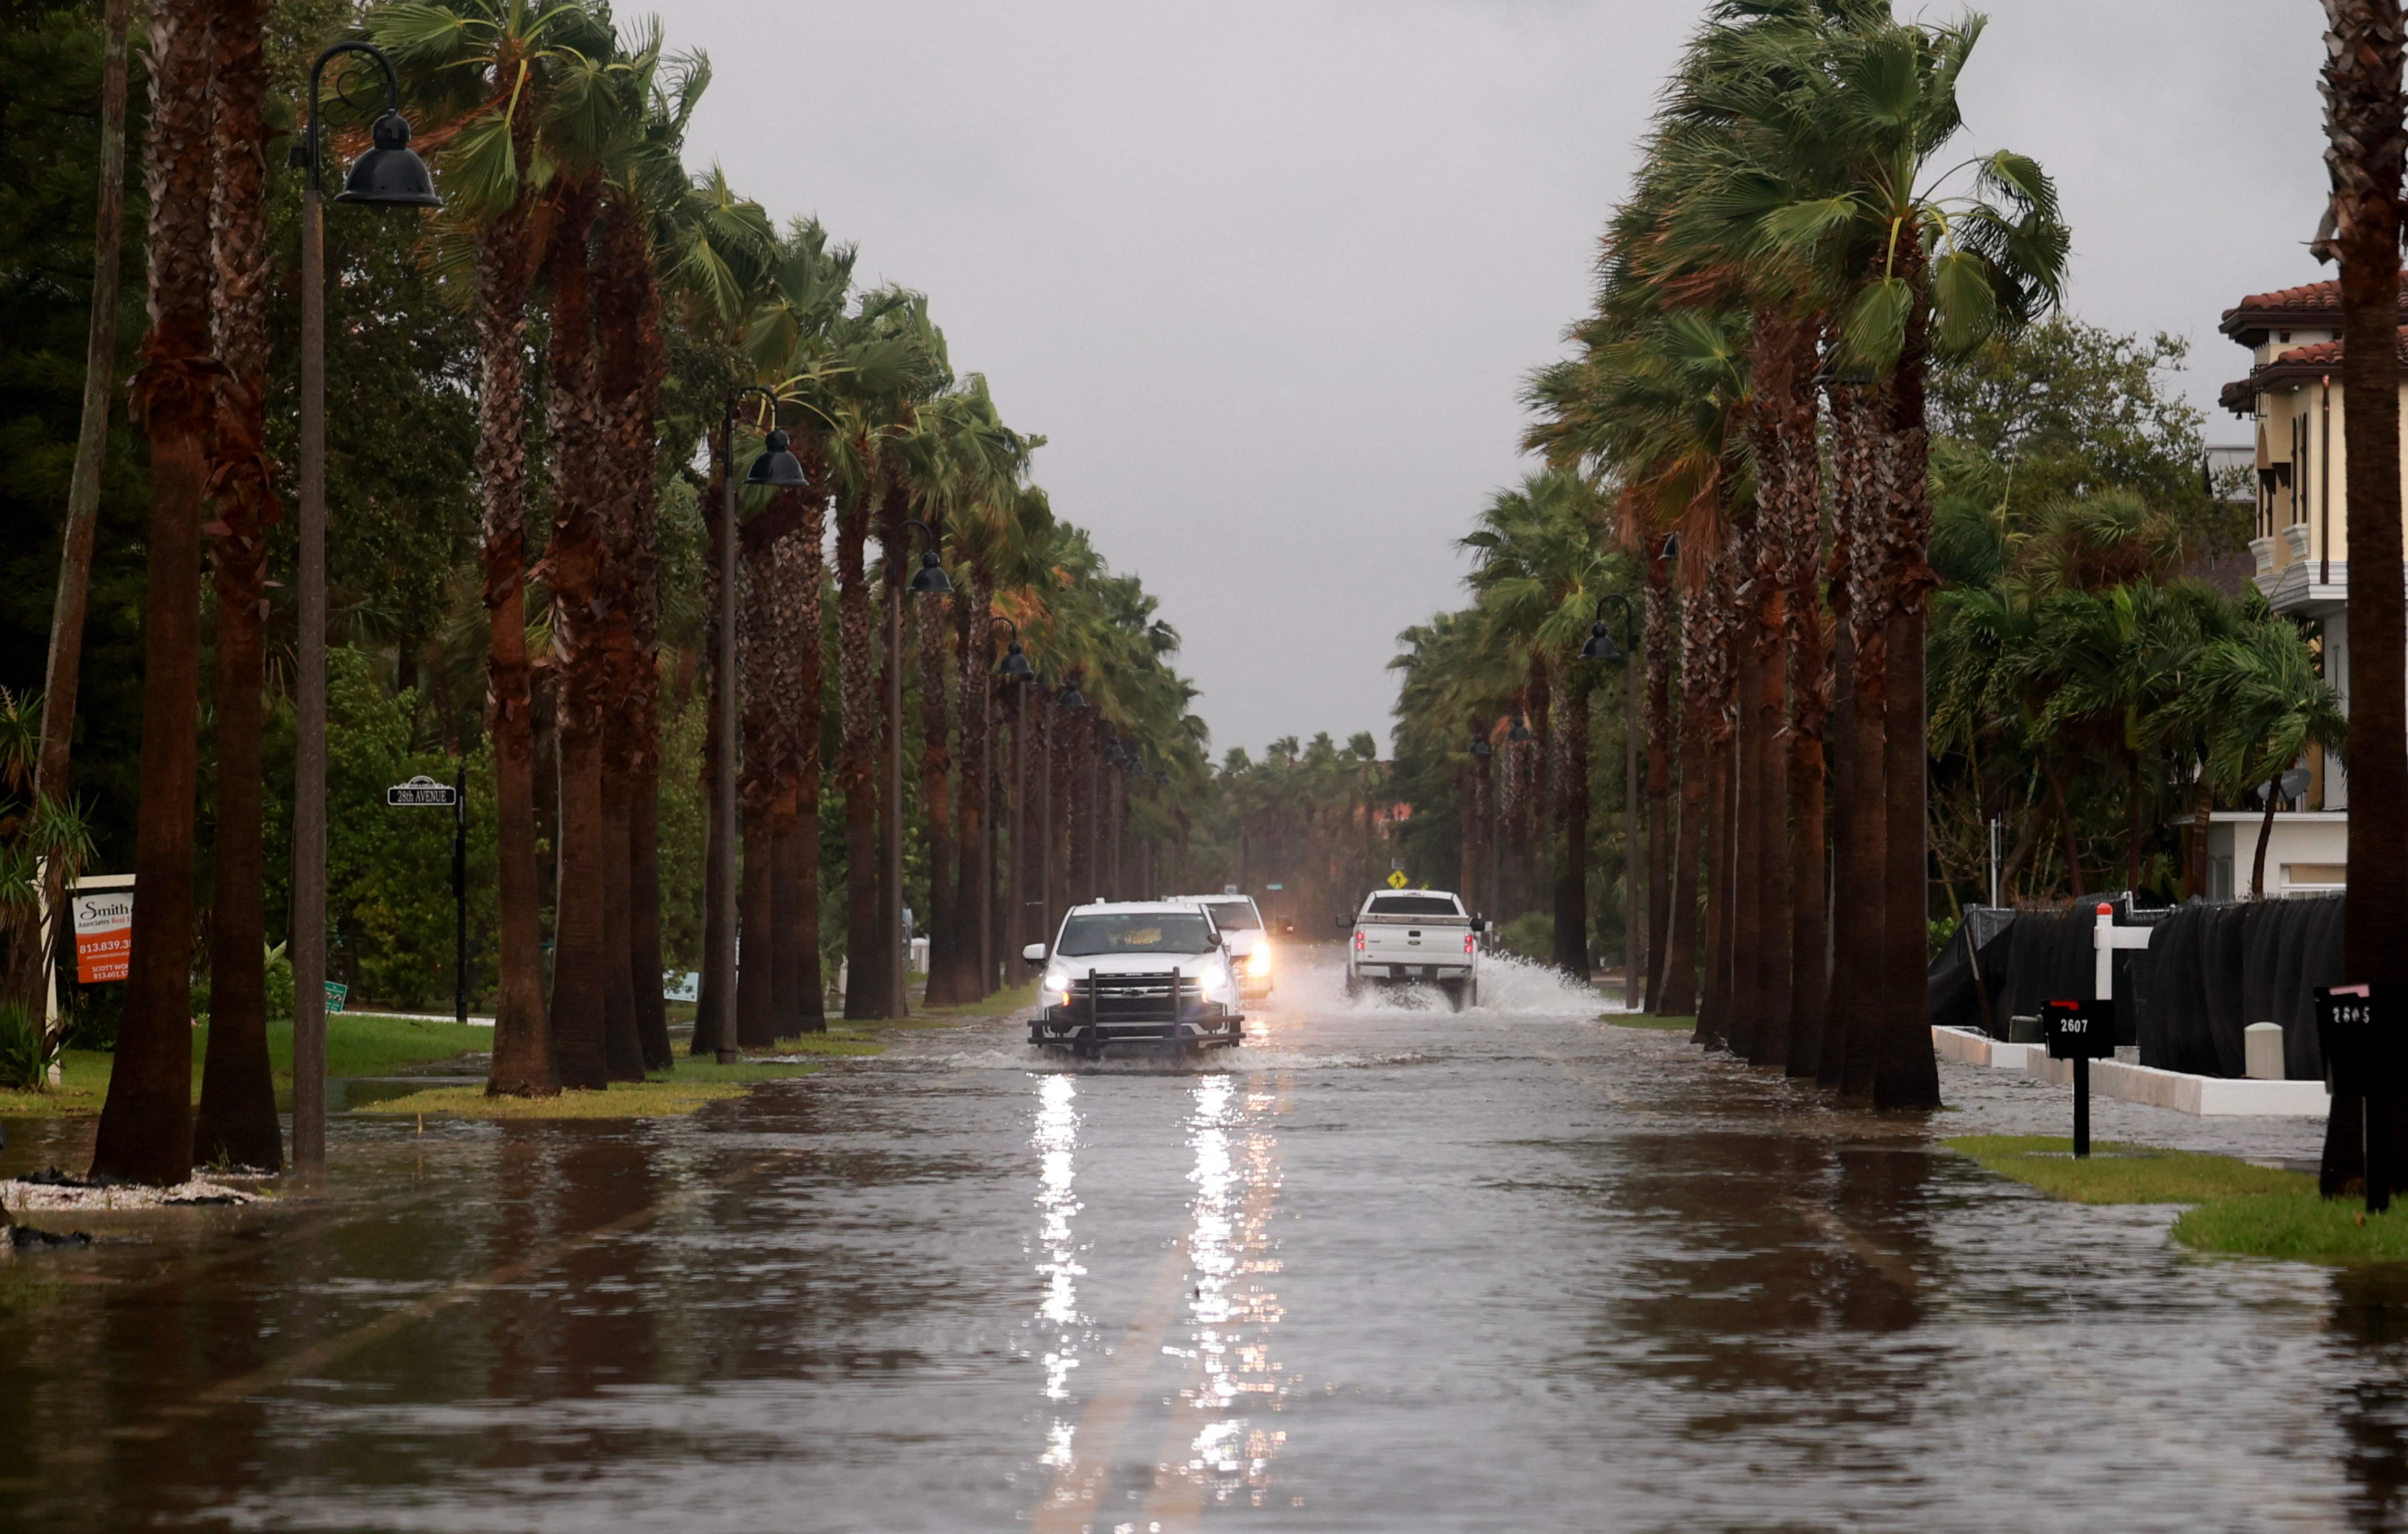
[1113,754]
[776,466]
[1601,646]
[1480,746]
[1015,666]
[390,173]
[1521,730]
[1070,697]
[930,580]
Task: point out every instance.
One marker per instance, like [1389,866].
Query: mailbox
[2359,1032]
[2079,1030]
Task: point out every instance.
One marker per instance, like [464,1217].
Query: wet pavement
[1384,1268]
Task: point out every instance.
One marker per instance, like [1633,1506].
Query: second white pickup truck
[1409,937]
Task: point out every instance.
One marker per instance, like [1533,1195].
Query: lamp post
[389,175]
[775,465]
[1600,647]
[929,579]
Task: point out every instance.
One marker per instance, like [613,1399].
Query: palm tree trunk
[522,1062]
[2195,839]
[803,572]
[1745,1017]
[644,902]
[2265,834]
[856,764]
[1857,413]
[631,362]
[2363,103]
[946,908]
[1571,727]
[235,1122]
[1848,905]
[29,979]
[1657,640]
[1678,993]
[1722,823]
[719,846]
[977,874]
[146,1126]
[787,994]
[588,1052]
[622,1034]
[1909,1073]
[756,978]
[761,652]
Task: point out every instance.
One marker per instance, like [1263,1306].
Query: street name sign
[423,790]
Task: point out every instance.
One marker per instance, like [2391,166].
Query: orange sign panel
[103,929]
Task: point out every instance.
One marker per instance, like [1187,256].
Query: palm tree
[2363,110]
[2265,706]
[1541,570]
[494,72]
[235,1122]
[146,1126]
[29,961]
[1932,271]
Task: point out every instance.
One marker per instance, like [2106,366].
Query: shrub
[1530,936]
[24,1051]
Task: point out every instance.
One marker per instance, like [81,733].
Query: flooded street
[1384,1268]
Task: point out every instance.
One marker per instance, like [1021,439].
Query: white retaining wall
[2207,1096]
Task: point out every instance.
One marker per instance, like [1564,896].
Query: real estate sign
[104,927]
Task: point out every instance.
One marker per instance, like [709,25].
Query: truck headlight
[1258,963]
[1056,990]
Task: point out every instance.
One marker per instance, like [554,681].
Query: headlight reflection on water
[1056,1140]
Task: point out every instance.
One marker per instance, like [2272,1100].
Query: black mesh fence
[2209,971]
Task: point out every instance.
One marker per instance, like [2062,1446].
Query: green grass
[1655,1025]
[2121,1173]
[2301,1226]
[355,1046]
[649,1100]
[2256,1212]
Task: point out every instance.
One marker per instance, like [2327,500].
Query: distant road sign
[1397,881]
[423,790]
[1274,886]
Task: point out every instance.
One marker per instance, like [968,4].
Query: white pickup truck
[1407,937]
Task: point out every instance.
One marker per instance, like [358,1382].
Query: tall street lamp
[778,466]
[389,175]
[1600,647]
[929,579]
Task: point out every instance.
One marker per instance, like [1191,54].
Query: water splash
[1508,986]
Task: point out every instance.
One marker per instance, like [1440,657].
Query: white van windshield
[1136,932]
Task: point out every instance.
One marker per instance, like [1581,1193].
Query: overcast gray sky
[1268,273]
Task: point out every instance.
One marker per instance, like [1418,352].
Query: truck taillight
[1467,942]
[1358,942]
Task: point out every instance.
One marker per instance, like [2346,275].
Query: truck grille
[1105,1000]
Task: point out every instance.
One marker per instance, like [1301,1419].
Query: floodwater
[1385,1268]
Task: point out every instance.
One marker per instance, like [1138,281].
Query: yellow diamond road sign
[1397,879]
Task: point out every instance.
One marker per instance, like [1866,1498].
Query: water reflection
[1056,1140]
[1233,1309]
[2369,1404]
